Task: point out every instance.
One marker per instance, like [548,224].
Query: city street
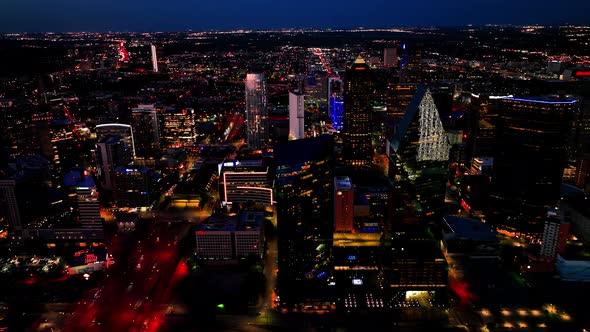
[133,297]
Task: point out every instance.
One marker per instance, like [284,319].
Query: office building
[296,115]
[390,58]
[24,194]
[358,90]
[178,127]
[111,151]
[414,267]
[231,238]
[555,234]
[398,97]
[303,190]
[411,65]
[336,102]
[530,158]
[135,186]
[88,206]
[214,238]
[343,204]
[146,131]
[123,130]
[257,129]
[419,153]
[245,181]
[10,207]
[249,235]
[65,147]
[316,91]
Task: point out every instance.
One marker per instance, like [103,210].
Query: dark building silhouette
[358,91]
[146,131]
[530,157]
[135,186]
[410,66]
[303,191]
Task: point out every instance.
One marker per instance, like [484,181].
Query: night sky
[182,15]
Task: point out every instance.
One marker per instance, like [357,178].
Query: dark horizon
[175,15]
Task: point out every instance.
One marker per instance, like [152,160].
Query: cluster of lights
[373,302]
[350,301]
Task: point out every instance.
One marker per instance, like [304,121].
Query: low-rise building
[231,237]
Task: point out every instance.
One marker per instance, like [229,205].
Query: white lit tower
[296,115]
[154,59]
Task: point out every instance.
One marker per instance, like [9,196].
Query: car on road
[97,294]
[137,304]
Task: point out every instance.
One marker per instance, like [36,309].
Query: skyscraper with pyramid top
[419,154]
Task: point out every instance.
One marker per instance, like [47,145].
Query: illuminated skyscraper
[256,111]
[154,59]
[358,91]
[336,102]
[296,115]
[419,153]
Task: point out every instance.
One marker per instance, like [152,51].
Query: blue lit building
[337,112]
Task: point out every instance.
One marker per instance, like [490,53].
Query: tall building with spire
[256,110]
[358,91]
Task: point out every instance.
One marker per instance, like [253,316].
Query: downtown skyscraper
[531,153]
[256,110]
[358,90]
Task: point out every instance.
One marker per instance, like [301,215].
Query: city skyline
[400,179]
[175,15]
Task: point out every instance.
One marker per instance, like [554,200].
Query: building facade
[343,204]
[256,110]
[358,92]
[296,115]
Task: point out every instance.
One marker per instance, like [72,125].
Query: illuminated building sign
[91,259]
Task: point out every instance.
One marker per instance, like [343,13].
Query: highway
[134,296]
